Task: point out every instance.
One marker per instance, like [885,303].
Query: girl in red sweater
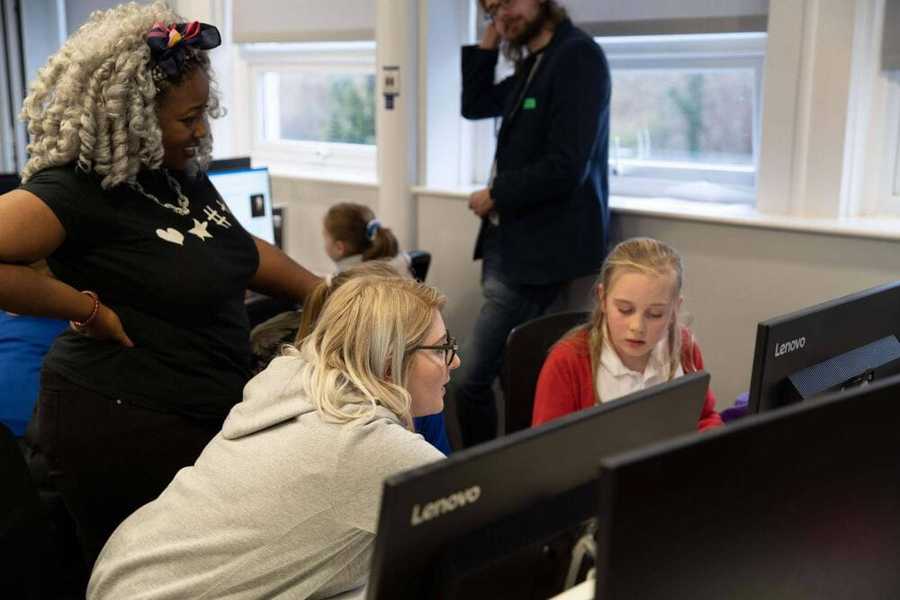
[634,339]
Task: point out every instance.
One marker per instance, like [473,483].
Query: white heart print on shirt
[171,235]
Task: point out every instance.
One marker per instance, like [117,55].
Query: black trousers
[107,457]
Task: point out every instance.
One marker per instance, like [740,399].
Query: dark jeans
[107,457]
[505,307]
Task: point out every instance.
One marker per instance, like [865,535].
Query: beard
[530,31]
[514,46]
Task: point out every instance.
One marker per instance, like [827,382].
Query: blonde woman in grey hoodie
[283,502]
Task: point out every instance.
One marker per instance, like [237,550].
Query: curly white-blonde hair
[95,102]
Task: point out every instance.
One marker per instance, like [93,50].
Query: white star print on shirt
[199,230]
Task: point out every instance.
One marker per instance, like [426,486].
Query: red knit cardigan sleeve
[691,361]
[564,385]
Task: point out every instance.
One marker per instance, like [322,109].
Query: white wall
[737,276]
[306,203]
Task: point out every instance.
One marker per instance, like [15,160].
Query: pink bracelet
[78,325]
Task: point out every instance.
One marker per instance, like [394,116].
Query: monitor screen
[248,194]
[500,519]
[802,502]
[788,344]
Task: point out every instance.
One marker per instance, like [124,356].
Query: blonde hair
[357,356]
[349,223]
[315,301]
[95,101]
[635,255]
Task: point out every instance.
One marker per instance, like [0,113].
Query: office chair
[419,261]
[526,348]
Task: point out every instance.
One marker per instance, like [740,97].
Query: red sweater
[566,382]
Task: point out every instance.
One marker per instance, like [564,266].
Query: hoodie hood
[276,396]
[272,397]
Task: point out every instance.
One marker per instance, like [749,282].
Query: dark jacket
[551,187]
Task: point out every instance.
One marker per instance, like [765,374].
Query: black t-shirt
[176,282]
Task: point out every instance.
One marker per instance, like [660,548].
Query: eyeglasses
[491,12]
[450,349]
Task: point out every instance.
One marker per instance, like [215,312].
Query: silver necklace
[184,205]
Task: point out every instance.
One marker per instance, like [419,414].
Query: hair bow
[169,45]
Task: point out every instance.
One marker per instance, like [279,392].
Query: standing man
[544,215]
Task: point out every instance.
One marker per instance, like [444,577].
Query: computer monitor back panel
[235,163]
[798,503]
[804,338]
[428,510]
[248,194]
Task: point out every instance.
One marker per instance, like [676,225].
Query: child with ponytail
[634,339]
[353,235]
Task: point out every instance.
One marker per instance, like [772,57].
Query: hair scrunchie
[372,228]
[169,46]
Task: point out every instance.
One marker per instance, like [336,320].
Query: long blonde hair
[94,102]
[358,354]
[315,301]
[636,255]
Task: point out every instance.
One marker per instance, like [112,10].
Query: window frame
[888,196]
[689,52]
[701,51]
[316,158]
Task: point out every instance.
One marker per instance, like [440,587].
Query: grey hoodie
[280,504]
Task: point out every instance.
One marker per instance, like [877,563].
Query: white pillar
[395,118]
[806,92]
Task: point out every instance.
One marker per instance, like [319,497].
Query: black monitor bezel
[392,496]
[612,466]
[764,386]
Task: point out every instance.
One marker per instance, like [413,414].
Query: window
[313,106]
[891,203]
[685,115]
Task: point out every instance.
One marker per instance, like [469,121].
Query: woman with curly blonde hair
[284,501]
[151,267]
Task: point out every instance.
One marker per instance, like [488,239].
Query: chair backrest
[526,348]
[419,261]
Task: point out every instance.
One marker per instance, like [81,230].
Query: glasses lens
[450,353]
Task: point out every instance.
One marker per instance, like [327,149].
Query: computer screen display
[248,194]
[802,502]
[500,519]
[788,344]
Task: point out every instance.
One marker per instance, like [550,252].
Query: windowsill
[740,215]
[461,192]
[321,175]
[883,228]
